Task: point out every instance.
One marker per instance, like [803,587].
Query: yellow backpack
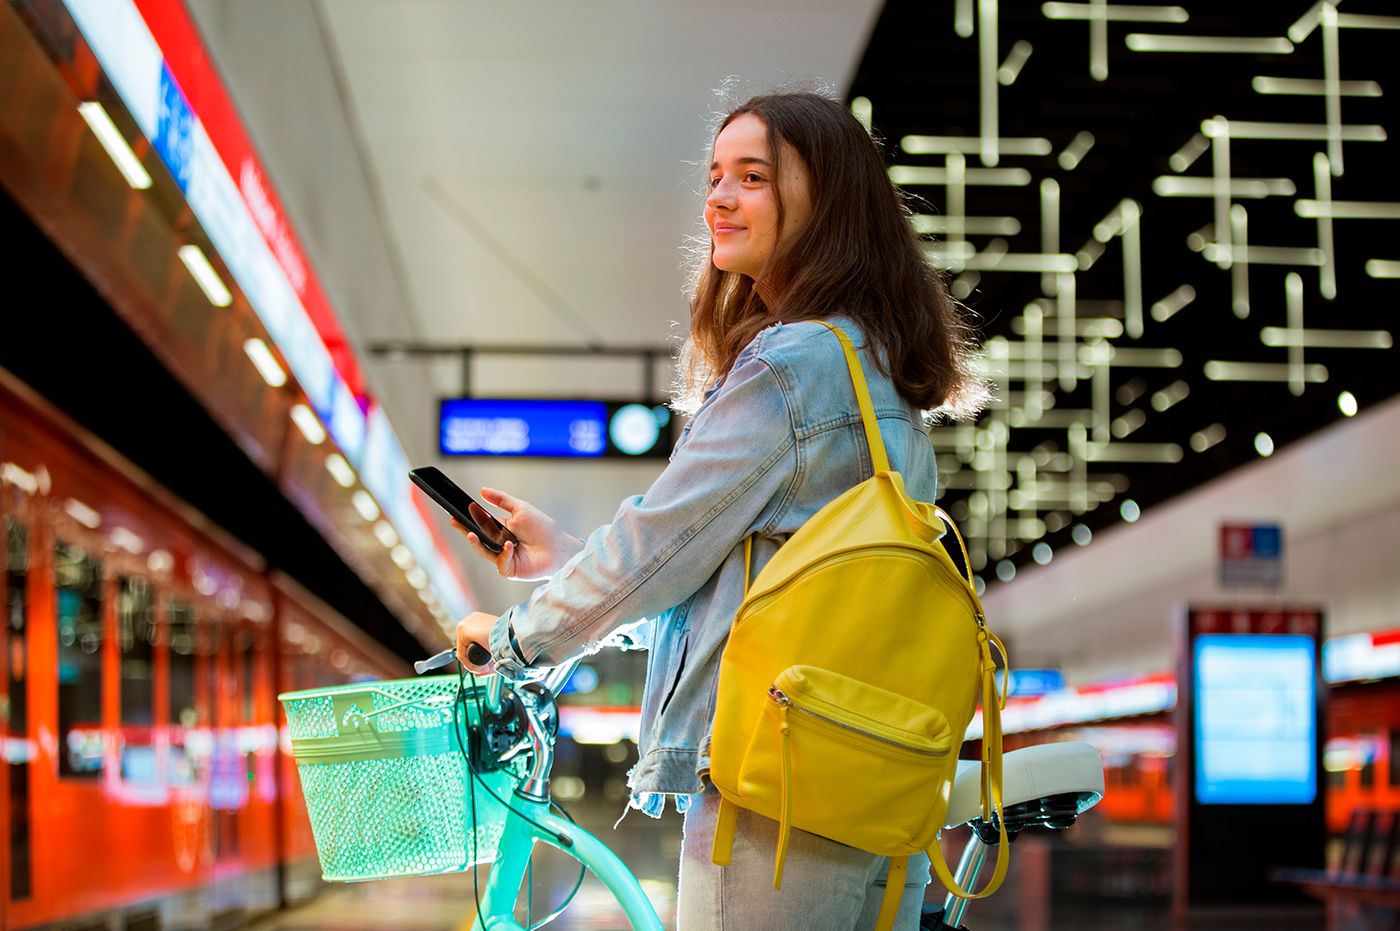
[852,670]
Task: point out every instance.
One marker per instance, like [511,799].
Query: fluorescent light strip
[1218,128]
[963,23]
[417,577]
[1314,88]
[1244,45]
[365,505]
[1173,186]
[1263,255]
[1074,153]
[340,470]
[1007,177]
[115,144]
[863,111]
[204,275]
[940,145]
[1348,209]
[263,361]
[1115,12]
[309,424]
[401,556]
[1325,339]
[1218,370]
[12,474]
[968,226]
[123,538]
[386,534]
[83,514]
[1383,268]
[1130,357]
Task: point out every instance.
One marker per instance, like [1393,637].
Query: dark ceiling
[1020,477]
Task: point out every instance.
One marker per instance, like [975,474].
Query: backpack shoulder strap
[878,459]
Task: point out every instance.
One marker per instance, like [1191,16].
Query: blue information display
[552,428]
[1256,719]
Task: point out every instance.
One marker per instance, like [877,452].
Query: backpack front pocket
[850,761]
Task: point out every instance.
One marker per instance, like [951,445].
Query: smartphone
[463,508]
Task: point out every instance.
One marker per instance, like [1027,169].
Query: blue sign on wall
[552,428]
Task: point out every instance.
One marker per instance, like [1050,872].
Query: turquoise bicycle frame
[513,856]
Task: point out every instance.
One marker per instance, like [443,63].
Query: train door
[16,861]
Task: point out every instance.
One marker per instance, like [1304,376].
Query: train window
[1371,744]
[16,611]
[78,597]
[1394,760]
[182,630]
[136,634]
[248,649]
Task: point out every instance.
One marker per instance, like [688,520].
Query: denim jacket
[776,439]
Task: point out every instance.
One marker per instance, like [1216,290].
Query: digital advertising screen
[1256,719]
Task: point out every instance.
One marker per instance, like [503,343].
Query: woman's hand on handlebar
[543,548]
[475,628]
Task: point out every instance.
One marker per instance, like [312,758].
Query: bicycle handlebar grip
[477,655]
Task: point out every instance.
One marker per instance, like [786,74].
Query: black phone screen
[463,508]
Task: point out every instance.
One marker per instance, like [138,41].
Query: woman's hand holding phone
[543,547]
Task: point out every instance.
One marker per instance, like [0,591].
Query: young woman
[804,225]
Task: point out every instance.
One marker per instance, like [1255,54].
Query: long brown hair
[857,255]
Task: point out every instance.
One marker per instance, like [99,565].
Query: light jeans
[826,886]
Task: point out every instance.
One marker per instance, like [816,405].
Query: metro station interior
[266,256]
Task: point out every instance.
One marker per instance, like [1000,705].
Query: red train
[140,659]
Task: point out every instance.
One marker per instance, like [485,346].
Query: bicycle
[499,740]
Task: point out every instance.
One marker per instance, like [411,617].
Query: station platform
[1112,880]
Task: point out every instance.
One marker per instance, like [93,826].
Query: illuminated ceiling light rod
[309,424]
[963,23]
[1015,60]
[1278,337]
[1185,156]
[1322,182]
[1347,209]
[1074,153]
[1306,23]
[1244,45]
[204,275]
[863,111]
[940,145]
[1172,304]
[968,226]
[1365,21]
[1219,370]
[987,81]
[1263,255]
[1383,268]
[115,144]
[1022,262]
[1172,186]
[1115,12]
[1006,177]
[1314,88]
[263,361]
[1132,357]
[1134,452]
[1218,128]
[1203,440]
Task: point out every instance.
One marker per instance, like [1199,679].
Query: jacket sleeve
[661,547]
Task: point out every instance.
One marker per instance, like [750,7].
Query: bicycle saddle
[1050,784]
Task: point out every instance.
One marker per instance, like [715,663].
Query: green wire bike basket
[385,781]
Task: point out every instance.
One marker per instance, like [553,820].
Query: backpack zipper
[782,698]
[856,552]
